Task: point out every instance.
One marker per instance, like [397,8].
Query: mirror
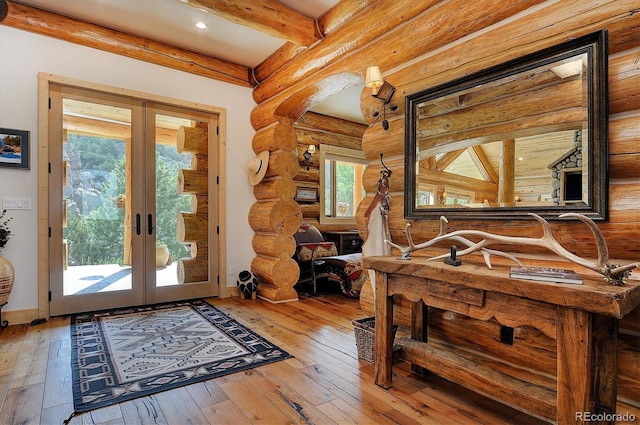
[529,135]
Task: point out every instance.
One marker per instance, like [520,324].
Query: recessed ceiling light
[201,25]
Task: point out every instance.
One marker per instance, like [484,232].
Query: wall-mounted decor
[504,139]
[306,194]
[14,148]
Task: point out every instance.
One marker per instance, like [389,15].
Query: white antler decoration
[615,274]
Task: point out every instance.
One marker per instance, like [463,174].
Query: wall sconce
[443,197]
[380,89]
[308,154]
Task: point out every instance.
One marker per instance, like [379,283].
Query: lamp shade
[373,78]
[311,149]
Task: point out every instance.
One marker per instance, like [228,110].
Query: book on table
[545,274]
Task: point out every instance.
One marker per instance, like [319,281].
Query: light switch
[12,203]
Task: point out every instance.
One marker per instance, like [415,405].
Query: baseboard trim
[18,317]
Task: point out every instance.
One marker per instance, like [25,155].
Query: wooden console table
[583,319]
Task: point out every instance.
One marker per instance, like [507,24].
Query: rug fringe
[66,421]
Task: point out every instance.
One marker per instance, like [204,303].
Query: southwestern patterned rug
[122,354]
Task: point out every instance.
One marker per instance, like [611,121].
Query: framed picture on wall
[306,194]
[14,148]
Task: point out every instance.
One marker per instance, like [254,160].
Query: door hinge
[217,179]
[49,103]
[49,296]
[218,279]
[218,230]
[49,168]
[217,130]
[49,231]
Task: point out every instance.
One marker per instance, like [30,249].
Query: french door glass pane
[96,254]
[181,189]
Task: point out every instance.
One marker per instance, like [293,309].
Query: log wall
[436,42]
[193,227]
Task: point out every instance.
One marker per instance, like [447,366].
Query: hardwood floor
[325,383]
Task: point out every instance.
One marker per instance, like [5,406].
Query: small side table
[347,242]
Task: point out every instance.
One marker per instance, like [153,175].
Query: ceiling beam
[268,16]
[41,22]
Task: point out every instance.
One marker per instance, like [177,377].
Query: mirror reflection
[517,139]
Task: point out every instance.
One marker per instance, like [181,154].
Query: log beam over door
[268,16]
[41,22]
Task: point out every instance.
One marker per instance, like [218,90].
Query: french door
[129,190]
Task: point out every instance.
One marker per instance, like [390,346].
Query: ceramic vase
[7,277]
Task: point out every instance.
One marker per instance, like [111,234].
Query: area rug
[122,354]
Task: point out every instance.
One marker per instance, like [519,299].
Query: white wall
[23,55]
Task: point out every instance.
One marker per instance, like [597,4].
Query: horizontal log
[308,137]
[280,273]
[192,270]
[199,249]
[200,203]
[624,133]
[623,200]
[278,136]
[372,173]
[192,227]
[276,60]
[281,216]
[354,34]
[624,90]
[314,161]
[305,176]
[113,130]
[98,37]
[281,164]
[294,103]
[341,13]
[527,34]
[522,108]
[277,295]
[275,188]
[200,162]
[326,124]
[191,181]
[390,143]
[274,245]
[311,210]
[267,16]
[193,140]
[624,166]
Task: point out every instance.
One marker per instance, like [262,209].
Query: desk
[347,242]
[583,319]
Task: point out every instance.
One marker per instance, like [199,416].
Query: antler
[615,274]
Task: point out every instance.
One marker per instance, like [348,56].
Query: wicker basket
[365,331]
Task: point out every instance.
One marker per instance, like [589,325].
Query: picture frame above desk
[306,194]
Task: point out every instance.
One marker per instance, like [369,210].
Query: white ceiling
[173,22]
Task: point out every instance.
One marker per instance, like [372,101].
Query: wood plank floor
[325,383]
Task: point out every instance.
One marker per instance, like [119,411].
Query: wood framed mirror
[528,135]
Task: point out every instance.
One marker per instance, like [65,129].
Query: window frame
[339,154]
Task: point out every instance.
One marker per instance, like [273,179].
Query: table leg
[384,332]
[587,367]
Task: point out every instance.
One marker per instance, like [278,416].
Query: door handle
[138,224]
[150,226]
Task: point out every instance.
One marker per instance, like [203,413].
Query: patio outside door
[128,202]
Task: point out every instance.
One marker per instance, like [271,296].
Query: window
[459,197]
[341,191]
